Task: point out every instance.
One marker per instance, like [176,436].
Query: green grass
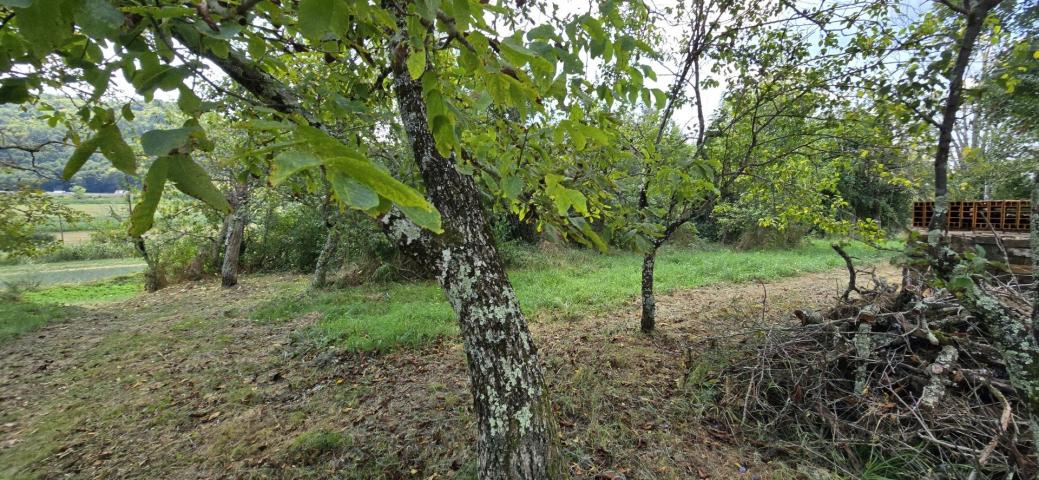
[113,290]
[18,317]
[561,286]
[32,309]
[74,272]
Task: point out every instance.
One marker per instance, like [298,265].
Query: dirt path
[185,385]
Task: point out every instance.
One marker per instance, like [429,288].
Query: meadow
[102,212]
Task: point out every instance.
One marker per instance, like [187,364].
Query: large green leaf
[116,150]
[315,18]
[291,162]
[79,157]
[14,91]
[379,181]
[16,3]
[430,220]
[352,163]
[143,215]
[190,178]
[98,18]
[348,190]
[164,142]
[416,64]
[45,24]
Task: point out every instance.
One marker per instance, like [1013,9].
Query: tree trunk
[235,234]
[232,248]
[649,302]
[324,260]
[975,22]
[511,405]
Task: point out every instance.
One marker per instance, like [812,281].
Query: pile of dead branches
[900,384]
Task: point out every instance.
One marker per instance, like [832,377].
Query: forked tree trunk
[324,260]
[511,405]
[649,302]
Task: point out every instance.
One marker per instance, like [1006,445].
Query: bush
[92,250]
[289,239]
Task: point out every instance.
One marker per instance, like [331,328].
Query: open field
[102,211]
[69,272]
[200,381]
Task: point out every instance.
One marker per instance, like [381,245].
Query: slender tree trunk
[324,260]
[232,249]
[649,302]
[235,234]
[975,22]
[511,405]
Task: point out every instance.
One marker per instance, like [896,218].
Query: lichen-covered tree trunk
[324,260]
[649,302]
[512,409]
[510,402]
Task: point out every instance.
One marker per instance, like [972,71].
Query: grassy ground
[69,272]
[189,384]
[563,285]
[23,312]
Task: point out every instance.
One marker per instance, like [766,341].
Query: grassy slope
[38,307]
[561,286]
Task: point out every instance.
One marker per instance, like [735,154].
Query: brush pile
[889,384]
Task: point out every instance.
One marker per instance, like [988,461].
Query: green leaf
[515,44]
[188,102]
[315,18]
[116,150]
[98,18]
[16,3]
[417,63]
[512,186]
[143,215]
[379,181]
[288,163]
[163,142]
[430,220]
[190,178]
[45,24]
[79,157]
[350,191]
[350,162]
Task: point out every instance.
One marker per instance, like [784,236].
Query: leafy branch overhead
[470,77]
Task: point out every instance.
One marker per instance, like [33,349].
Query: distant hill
[23,126]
